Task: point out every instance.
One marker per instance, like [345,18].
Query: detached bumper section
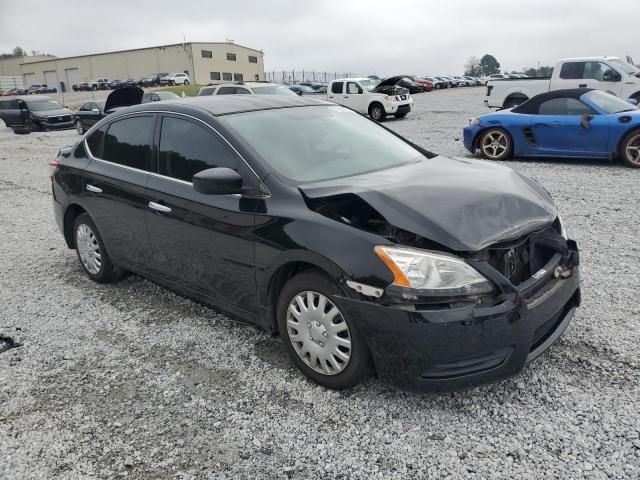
[435,349]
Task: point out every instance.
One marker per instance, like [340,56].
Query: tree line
[489,65]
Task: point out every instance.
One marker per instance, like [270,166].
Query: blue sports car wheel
[630,149]
[495,144]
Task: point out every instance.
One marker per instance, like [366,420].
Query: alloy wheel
[376,113]
[632,150]
[494,144]
[319,333]
[79,127]
[88,249]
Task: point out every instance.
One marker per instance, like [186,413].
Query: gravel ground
[132,380]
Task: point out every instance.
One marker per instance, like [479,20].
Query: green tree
[19,52]
[489,65]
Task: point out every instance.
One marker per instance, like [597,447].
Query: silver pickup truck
[610,74]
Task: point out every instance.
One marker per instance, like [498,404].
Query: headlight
[474,122]
[432,273]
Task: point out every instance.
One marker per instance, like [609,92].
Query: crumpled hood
[124,97]
[465,205]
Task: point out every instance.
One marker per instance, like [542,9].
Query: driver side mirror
[585,121]
[217,181]
[611,76]
[632,101]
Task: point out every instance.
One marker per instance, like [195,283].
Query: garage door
[51,79]
[29,79]
[73,77]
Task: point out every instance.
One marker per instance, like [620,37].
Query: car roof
[229,104]
[532,105]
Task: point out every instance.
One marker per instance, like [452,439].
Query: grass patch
[189,90]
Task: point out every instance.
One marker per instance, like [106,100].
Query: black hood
[390,80]
[464,205]
[124,97]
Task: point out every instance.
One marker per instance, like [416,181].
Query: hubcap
[494,144]
[318,332]
[376,113]
[88,249]
[632,150]
[79,127]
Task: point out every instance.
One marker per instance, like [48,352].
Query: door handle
[92,188]
[159,208]
[540,125]
[582,85]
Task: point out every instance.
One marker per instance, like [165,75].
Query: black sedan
[401,81]
[364,251]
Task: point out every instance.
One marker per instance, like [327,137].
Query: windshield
[272,91]
[39,105]
[369,84]
[308,144]
[624,66]
[607,102]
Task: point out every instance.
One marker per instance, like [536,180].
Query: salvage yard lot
[131,379]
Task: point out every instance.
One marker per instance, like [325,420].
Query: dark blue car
[578,122]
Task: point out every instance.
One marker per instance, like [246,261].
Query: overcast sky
[381,36]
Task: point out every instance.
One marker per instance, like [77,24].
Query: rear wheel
[91,252]
[630,149]
[320,339]
[495,144]
[376,112]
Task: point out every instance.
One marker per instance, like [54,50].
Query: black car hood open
[124,97]
[464,205]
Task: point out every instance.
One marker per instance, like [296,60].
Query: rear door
[114,185]
[202,242]
[558,129]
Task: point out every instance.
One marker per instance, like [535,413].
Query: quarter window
[127,142]
[206,53]
[253,59]
[94,141]
[187,148]
[214,75]
[564,106]
[336,87]
[227,77]
[231,57]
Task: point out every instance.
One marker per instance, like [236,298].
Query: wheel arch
[513,96]
[70,214]
[624,135]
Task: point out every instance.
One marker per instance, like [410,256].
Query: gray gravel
[133,380]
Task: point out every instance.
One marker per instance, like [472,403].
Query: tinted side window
[242,90]
[127,142]
[336,87]
[187,148]
[207,91]
[94,141]
[226,91]
[564,106]
[572,70]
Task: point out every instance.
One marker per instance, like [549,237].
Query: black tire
[107,271]
[495,144]
[400,115]
[172,83]
[94,87]
[514,102]
[79,128]
[631,139]
[377,112]
[186,82]
[358,366]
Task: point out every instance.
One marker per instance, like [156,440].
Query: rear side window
[572,70]
[336,87]
[206,91]
[226,91]
[95,141]
[564,106]
[187,148]
[127,142]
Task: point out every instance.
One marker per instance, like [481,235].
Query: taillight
[53,165]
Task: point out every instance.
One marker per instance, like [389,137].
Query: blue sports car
[579,122]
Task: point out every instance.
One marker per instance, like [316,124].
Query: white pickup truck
[364,95]
[610,74]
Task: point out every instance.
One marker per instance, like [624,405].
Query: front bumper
[469,135]
[443,349]
[395,107]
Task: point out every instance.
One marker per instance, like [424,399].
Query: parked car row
[155,80]
[34,89]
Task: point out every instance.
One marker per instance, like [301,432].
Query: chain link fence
[291,77]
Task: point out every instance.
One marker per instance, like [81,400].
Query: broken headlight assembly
[424,273]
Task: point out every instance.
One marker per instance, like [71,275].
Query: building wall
[11,66]
[219,63]
[142,62]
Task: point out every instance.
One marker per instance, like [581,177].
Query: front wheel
[79,127]
[376,112]
[91,251]
[321,340]
[186,82]
[630,149]
[495,144]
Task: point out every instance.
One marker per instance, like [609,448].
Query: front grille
[59,119]
[520,259]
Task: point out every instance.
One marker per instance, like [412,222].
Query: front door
[202,242]
[114,184]
[355,97]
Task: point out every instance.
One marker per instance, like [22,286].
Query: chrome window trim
[124,115]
